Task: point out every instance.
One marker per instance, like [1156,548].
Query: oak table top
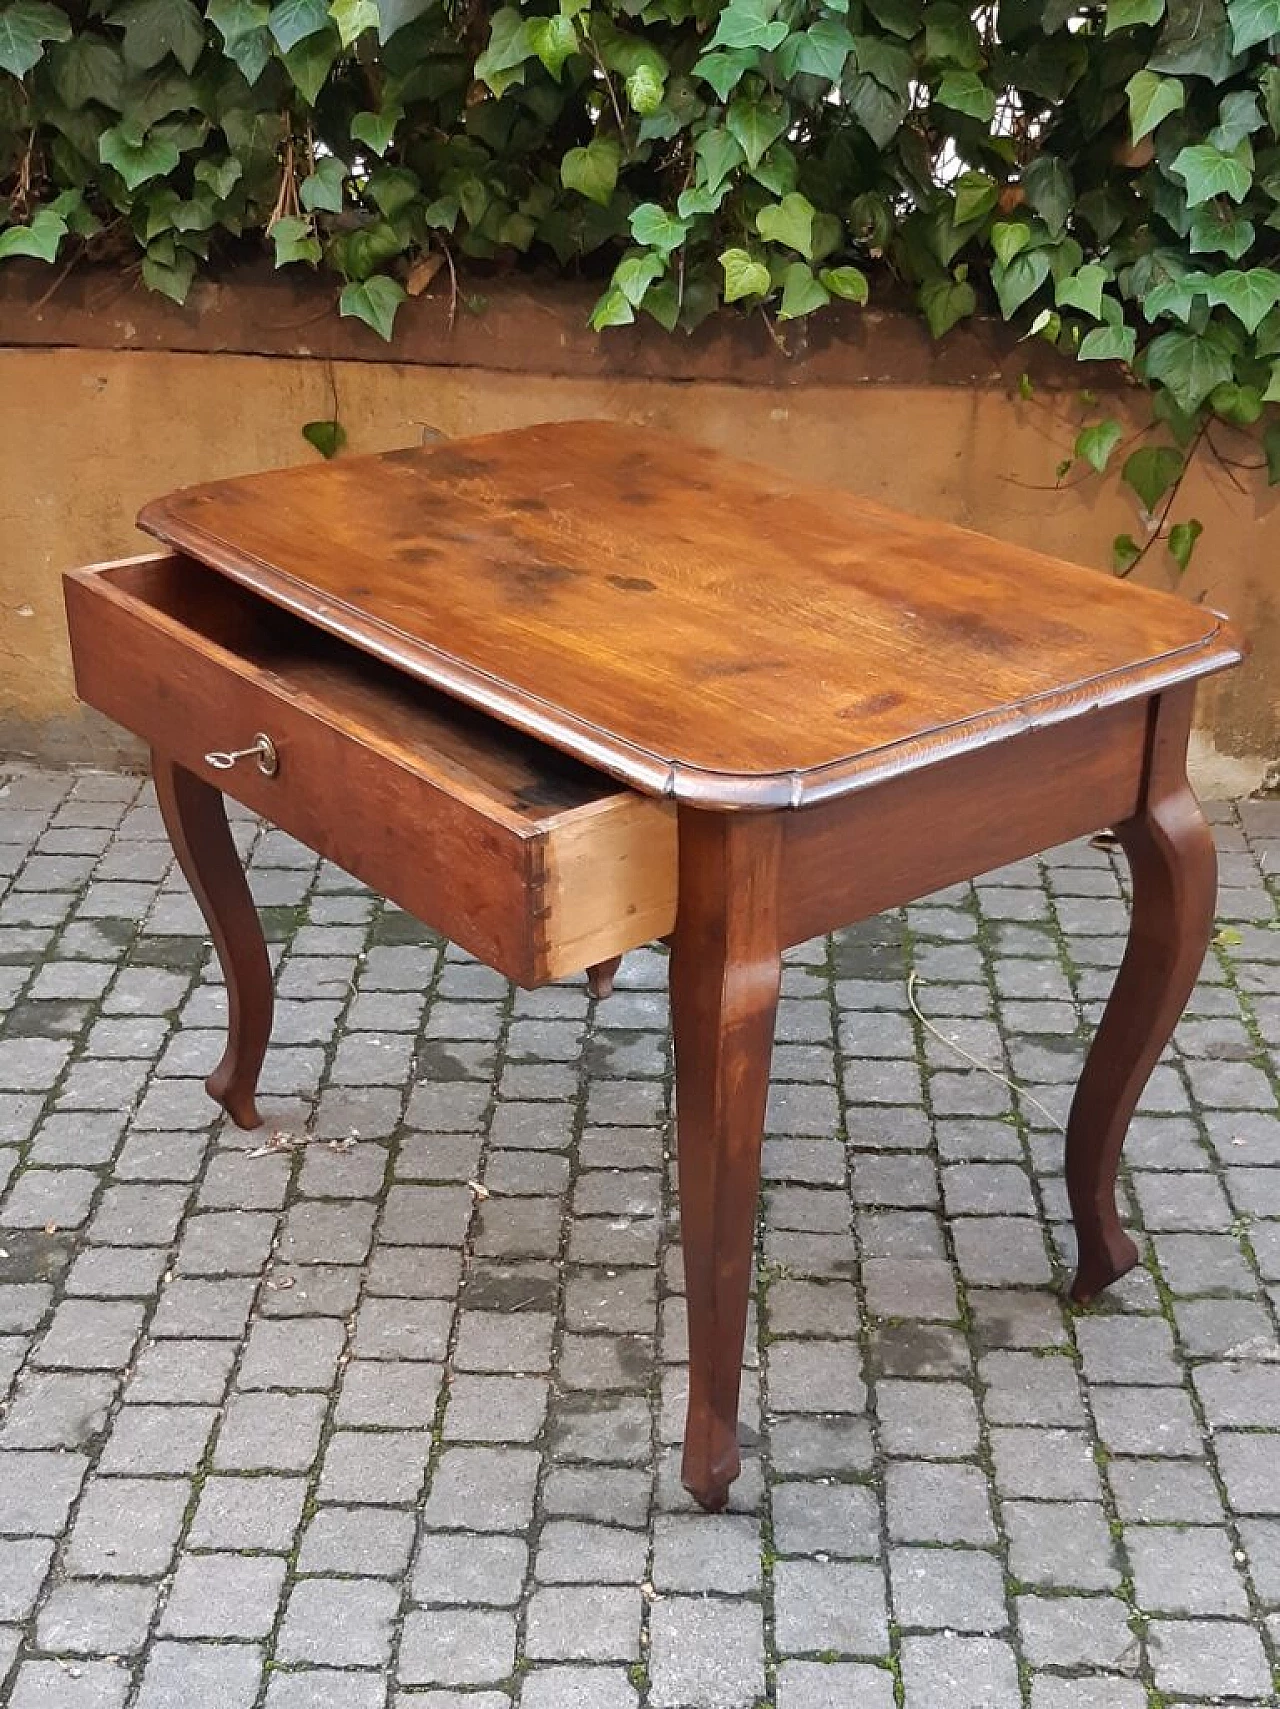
[696,627]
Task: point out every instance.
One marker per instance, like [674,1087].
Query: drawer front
[490,880]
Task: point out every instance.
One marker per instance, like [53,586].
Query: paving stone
[462,1646]
[248,1513]
[829,1606]
[961,1672]
[954,1589]
[52,1685]
[583,1623]
[821,1519]
[705,1654]
[325,1688]
[178,1676]
[338,1623]
[1066,1545]
[1077,1631]
[384,1466]
[82,1619]
[24,1562]
[573,1553]
[223,1596]
[127,1527]
[1211,1658]
[37,1489]
[930,1503]
[54,1409]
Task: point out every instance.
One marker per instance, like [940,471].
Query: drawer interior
[522,782]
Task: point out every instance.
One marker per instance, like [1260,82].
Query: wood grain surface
[696,626]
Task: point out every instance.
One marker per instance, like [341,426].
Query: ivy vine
[1106,175]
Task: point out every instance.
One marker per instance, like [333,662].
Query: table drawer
[532,862]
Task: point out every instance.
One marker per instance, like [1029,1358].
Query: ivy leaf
[1269,83]
[352,18]
[635,273]
[644,89]
[1208,172]
[220,176]
[292,21]
[393,15]
[743,276]
[1050,191]
[295,240]
[1151,471]
[374,301]
[1182,540]
[1126,14]
[168,270]
[246,39]
[951,39]
[1096,442]
[976,195]
[719,154]
[819,51]
[965,92]
[754,125]
[1125,552]
[1116,343]
[946,302]
[310,63]
[724,70]
[1213,232]
[1008,237]
[1253,21]
[377,130]
[25,26]
[1250,295]
[1240,405]
[1238,117]
[847,282]
[801,292]
[39,240]
[656,228]
[1020,279]
[154,28]
[502,64]
[1151,99]
[749,24]
[592,171]
[328,437]
[1271,448]
[1190,365]
[878,110]
[321,190]
[1083,290]
[554,40]
[88,68]
[611,309]
[789,221]
[135,157]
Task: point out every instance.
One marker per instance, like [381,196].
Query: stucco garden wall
[107,402]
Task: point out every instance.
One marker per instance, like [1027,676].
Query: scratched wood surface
[696,626]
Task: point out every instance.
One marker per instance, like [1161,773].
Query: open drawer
[532,862]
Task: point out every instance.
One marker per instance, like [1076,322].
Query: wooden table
[565,690]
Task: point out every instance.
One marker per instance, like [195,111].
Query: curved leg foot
[1174,866]
[726,970]
[196,820]
[600,977]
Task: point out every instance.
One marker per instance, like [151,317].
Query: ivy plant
[1107,176]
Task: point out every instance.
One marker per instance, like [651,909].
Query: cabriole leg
[196,820]
[726,970]
[1174,866]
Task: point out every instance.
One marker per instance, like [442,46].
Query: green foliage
[1112,186]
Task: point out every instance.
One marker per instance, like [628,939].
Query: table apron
[911,835]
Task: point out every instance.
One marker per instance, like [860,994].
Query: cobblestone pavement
[321,1428]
